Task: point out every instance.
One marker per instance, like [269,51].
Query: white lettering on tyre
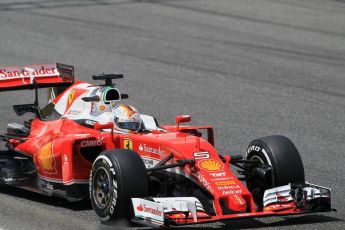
[259,149]
[254,148]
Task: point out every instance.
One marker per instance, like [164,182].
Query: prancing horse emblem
[127,143]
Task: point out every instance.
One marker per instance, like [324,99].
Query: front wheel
[278,163]
[117,176]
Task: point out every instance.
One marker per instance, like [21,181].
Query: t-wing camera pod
[107,78]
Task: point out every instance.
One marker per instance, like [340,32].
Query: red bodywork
[63,151]
[55,147]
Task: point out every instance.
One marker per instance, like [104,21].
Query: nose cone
[229,193]
[236,203]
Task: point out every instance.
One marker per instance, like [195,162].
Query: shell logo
[46,158]
[211,165]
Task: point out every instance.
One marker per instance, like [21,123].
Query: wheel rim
[262,162]
[101,188]
[257,158]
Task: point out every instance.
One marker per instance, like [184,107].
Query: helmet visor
[131,125]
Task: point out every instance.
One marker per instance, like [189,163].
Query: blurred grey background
[249,67]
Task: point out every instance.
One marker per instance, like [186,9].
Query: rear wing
[36,76]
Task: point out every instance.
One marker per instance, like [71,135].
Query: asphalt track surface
[249,67]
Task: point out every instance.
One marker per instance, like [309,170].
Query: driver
[126,119]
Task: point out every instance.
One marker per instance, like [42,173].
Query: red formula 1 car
[155,175]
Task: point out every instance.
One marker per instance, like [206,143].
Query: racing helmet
[126,118]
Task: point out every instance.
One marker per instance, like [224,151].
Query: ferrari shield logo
[127,143]
[70,96]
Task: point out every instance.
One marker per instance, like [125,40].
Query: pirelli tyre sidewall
[282,155]
[126,178]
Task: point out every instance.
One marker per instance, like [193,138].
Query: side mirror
[101,125]
[181,119]
[91,99]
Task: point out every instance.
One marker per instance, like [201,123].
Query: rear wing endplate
[36,76]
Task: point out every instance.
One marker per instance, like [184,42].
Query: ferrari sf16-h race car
[155,175]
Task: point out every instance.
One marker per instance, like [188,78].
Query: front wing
[284,200]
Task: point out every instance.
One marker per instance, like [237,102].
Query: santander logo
[140,208]
[17,72]
[149,149]
[144,208]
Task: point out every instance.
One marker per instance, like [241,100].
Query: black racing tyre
[117,176]
[285,162]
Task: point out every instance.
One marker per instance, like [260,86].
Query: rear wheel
[117,176]
[278,163]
